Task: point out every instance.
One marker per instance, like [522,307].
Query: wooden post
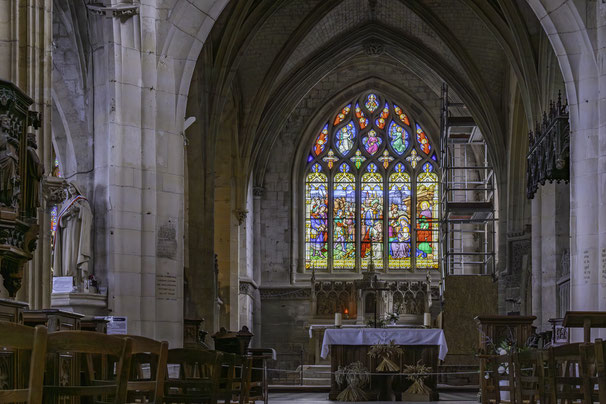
[587,329]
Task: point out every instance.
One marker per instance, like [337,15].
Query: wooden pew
[73,345]
[14,339]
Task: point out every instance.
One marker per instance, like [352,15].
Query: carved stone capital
[247,288]
[240,215]
[258,192]
[54,190]
[121,11]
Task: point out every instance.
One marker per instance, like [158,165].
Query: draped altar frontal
[419,345]
[375,336]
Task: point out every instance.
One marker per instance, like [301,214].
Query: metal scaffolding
[467,195]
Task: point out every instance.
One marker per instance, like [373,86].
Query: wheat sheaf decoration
[388,353]
[417,374]
[355,377]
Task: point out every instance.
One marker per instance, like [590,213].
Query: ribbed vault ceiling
[284,48]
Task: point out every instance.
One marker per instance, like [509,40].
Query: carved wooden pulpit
[20,175]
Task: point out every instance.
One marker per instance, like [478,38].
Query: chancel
[278,200]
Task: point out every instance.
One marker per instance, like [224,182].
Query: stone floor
[318,398]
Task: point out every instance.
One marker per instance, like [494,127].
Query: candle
[338,319]
[427,319]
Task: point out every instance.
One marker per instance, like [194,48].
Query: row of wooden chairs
[571,373]
[94,367]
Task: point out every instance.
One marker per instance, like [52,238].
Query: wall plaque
[166,245]
[166,287]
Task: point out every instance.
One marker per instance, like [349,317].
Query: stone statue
[9,168]
[35,170]
[72,246]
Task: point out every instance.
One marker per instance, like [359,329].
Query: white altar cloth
[374,336]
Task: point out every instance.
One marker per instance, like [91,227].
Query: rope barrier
[376,373]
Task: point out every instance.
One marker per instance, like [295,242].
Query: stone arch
[575,35]
[297,173]
[417,58]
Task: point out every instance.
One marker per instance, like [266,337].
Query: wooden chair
[569,377]
[235,378]
[193,376]
[14,339]
[71,345]
[529,377]
[148,370]
[600,368]
[502,371]
[258,384]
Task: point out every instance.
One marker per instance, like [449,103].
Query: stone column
[549,262]
[139,164]
[257,323]
[601,166]
[537,287]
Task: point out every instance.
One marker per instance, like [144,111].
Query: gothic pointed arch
[371,190]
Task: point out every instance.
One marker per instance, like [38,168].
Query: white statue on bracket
[72,244]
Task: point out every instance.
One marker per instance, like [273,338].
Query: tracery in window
[371,192]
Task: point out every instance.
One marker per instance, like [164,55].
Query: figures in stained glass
[345,138]
[371,103]
[372,142]
[423,140]
[401,115]
[330,159]
[344,219]
[381,121]
[413,158]
[399,218]
[320,143]
[386,159]
[371,215]
[399,138]
[362,120]
[342,115]
[358,159]
[397,210]
[427,218]
[316,237]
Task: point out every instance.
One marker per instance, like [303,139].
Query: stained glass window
[344,218]
[399,230]
[371,191]
[316,212]
[371,216]
[55,210]
[423,140]
[342,115]
[427,217]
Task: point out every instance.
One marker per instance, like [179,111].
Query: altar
[419,345]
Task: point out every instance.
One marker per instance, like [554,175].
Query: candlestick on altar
[338,320]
